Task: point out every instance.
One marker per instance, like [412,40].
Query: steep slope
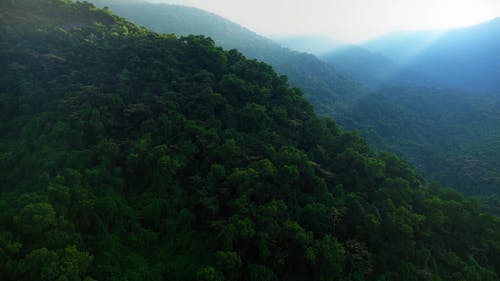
[128,155]
[450,136]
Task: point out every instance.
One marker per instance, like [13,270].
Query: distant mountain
[401,46]
[372,68]
[317,45]
[449,134]
[464,58]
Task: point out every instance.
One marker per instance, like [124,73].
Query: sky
[349,21]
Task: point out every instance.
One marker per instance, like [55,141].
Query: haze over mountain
[465,58]
[373,68]
[402,46]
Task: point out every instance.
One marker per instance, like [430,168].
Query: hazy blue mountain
[372,68]
[316,45]
[402,45]
[465,58]
[454,130]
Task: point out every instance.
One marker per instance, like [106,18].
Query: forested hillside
[129,155]
[407,113]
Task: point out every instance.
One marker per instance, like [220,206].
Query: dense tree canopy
[129,155]
[449,135]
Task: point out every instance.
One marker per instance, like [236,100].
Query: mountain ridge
[398,118]
[321,83]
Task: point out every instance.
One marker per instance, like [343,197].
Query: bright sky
[349,21]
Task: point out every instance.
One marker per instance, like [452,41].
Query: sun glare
[450,14]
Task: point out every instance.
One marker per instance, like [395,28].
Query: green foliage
[449,136]
[129,155]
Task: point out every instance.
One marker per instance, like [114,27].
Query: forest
[450,135]
[131,155]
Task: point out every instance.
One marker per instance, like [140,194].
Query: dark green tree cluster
[129,155]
